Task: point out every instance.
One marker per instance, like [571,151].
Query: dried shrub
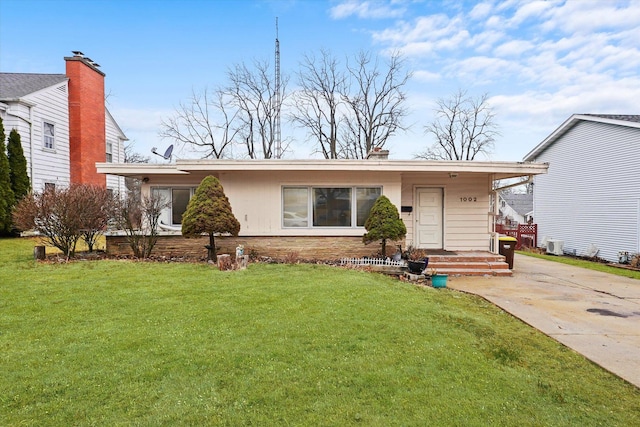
[65,215]
[292,257]
[139,217]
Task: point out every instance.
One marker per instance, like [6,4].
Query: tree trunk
[211,249]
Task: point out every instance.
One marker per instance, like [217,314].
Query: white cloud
[586,17]
[432,27]
[528,11]
[483,69]
[485,41]
[426,76]
[481,11]
[365,10]
[513,48]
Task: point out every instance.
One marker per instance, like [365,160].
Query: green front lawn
[123,343]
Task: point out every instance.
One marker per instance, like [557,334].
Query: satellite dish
[167,153]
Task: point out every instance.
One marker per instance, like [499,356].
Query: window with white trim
[48,136]
[109,157]
[306,206]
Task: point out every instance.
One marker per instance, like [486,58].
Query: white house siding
[49,166]
[17,117]
[590,194]
[466,208]
[115,136]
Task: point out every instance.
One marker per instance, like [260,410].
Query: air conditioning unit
[554,247]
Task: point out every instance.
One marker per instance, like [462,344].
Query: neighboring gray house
[591,195]
[515,208]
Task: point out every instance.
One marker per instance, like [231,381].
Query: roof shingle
[626,117]
[17,85]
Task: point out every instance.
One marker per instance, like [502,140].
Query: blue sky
[539,61]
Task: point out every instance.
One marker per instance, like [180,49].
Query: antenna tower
[278,100]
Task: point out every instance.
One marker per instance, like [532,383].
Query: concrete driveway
[596,314]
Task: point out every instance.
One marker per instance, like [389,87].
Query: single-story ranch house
[317,208]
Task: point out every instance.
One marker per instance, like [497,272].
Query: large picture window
[327,206]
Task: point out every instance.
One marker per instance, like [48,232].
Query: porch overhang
[498,170]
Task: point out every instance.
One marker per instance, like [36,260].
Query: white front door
[429,218]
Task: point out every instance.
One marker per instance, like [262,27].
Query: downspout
[31,144]
[494,215]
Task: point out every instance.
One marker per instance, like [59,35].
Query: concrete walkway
[596,314]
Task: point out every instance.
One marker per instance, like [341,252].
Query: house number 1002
[468,199]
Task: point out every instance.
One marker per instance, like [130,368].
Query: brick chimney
[87,134]
[378,154]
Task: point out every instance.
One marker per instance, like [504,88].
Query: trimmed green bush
[7,199]
[383,223]
[17,166]
[209,211]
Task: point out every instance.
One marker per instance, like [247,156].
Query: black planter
[417,267]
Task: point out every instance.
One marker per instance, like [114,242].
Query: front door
[429,218]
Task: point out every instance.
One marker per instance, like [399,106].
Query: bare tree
[377,105]
[205,123]
[464,128]
[131,156]
[254,93]
[133,185]
[317,103]
[139,216]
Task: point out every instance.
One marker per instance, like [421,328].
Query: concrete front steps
[469,264]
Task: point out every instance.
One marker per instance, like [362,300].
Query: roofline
[19,101]
[186,167]
[568,124]
[124,137]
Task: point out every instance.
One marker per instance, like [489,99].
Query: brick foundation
[304,247]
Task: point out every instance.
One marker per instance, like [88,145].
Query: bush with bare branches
[139,216]
[65,215]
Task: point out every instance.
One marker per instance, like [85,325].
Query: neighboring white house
[309,205]
[61,147]
[591,195]
[515,208]
[36,105]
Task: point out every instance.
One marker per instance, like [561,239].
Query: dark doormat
[439,252]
